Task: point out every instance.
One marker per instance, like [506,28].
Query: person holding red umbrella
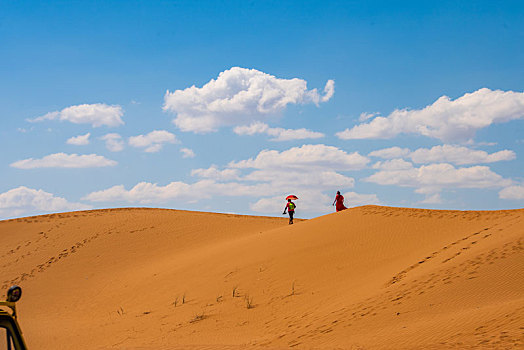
[290,207]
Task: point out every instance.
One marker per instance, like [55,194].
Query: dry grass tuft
[249,301]
[120,311]
[199,317]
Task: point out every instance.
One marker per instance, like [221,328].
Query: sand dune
[365,278]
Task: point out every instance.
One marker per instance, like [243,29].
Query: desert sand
[366,278]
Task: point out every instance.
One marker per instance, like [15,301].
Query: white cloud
[389,153]
[97,114]
[446,119]
[252,129]
[272,190]
[366,116]
[153,141]
[440,175]
[214,173]
[216,182]
[432,199]
[431,179]
[145,192]
[80,140]
[305,157]
[306,171]
[458,155]
[238,96]
[63,160]
[271,204]
[393,164]
[482,143]
[329,91]
[187,153]
[353,199]
[512,192]
[445,154]
[114,142]
[27,201]
[300,179]
[279,134]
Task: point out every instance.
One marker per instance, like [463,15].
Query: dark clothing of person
[290,207]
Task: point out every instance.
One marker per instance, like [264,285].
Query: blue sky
[230,106]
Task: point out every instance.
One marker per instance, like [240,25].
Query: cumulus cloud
[239,96]
[305,157]
[252,129]
[353,199]
[187,153]
[216,174]
[278,134]
[366,116]
[446,119]
[27,201]
[389,153]
[97,114]
[313,199]
[393,164]
[114,142]
[445,154]
[297,179]
[329,91]
[227,182]
[440,175]
[458,155]
[63,160]
[307,171]
[432,199]
[431,179]
[80,140]
[145,192]
[153,141]
[512,192]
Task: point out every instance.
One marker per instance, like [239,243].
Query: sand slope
[368,277]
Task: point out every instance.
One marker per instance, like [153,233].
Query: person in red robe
[339,200]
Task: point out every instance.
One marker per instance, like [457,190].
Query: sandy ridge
[368,277]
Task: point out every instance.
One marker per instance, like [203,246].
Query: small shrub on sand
[249,301]
[198,317]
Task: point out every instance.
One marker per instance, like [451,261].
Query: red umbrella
[291,196]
